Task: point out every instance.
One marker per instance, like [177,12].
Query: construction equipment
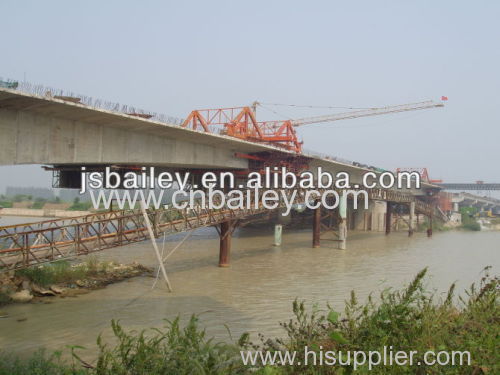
[423,172]
[241,122]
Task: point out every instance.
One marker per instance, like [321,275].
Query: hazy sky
[172,57]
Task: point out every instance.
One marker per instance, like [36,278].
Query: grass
[437,226]
[80,206]
[5,204]
[38,364]
[61,272]
[412,318]
[470,223]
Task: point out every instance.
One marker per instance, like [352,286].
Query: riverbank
[410,319]
[62,279]
[40,212]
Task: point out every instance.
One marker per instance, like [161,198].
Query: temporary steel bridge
[25,245]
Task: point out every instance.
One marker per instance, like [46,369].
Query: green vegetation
[21,198]
[39,203]
[174,350]
[409,319]
[437,226]
[39,364]
[5,203]
[80,206]
[61,272]
[468,218]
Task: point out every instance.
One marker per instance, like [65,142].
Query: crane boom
[241,122]
[367,112]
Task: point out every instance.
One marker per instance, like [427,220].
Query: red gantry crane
[240,122]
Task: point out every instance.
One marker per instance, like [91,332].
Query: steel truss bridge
[469,186]
[25,245]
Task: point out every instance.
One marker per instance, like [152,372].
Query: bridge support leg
[388,218]
[410,221]
[316,227]
[429,230]
[278,230]
[343,222]
[226,232]
[342,234]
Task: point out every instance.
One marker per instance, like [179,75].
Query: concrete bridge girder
[29,138]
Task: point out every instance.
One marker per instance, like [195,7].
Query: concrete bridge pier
[411,218]
[429,229]
[316,227]
[343,234]
[388,218]
[225,235]
[343,222]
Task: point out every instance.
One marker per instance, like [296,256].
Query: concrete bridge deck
[45,130]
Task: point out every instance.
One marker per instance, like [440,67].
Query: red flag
[444,98]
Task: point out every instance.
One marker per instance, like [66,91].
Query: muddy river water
[256,292]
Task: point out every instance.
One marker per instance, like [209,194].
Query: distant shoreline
[40,212]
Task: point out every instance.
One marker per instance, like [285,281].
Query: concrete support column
[316,227]
[388,218]
[429,230]
[278,229]
[225,243]
[343,222]
[410,221]
[342,234]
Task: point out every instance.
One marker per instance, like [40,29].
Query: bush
[54,273]
[468,220]
[410,319]
[5,204]
[38,364]
[472,225]
[173,350]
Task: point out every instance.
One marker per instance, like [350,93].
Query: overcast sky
[172,57]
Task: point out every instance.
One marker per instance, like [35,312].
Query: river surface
[256,292]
